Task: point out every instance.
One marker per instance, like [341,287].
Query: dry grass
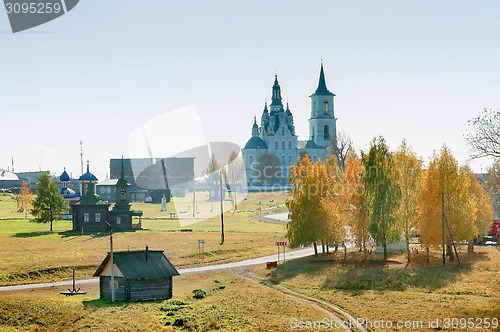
[51,256]
[30,253]
[374,290]
[231,304]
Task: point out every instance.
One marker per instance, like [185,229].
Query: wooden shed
[139,276]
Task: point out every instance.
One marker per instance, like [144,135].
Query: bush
[199,294]
[172,306]
[183,320]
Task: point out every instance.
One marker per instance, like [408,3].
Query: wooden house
[138,276]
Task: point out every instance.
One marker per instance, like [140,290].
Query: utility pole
[221,209]
[194,200]
[443,262]
[112,283]
[81,156]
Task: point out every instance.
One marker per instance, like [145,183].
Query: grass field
[30,253]
[366,286]
[375,290]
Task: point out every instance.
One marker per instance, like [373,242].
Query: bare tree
[344,146]
[492,186]
[484,134]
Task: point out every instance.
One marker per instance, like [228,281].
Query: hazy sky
[402,69]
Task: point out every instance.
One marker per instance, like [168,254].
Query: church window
[314,109]
[325,107]
[290,159]
[251,159]
[283,145]
[276,145]
[314,158]
[118,220]
[312,136]
[289,145]
[283,161]
[97,217]
[283,131]
[326,131]
[86,217]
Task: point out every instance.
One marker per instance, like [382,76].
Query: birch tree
[381,193]
[408,177]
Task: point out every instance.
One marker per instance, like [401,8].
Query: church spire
[276,98]
[322,89]
[122,172]
[255,127]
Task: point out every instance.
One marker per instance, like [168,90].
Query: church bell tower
[323,124]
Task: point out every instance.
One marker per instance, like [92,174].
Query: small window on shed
[86,217]
[97,217]
[118,220]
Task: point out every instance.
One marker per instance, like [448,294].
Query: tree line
[383,196]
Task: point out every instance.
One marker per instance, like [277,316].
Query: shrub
[172,306]
[199,294]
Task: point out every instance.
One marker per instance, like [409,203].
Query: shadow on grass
[360,274]
[67,234]
[105,303]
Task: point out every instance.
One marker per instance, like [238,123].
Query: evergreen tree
[48,204]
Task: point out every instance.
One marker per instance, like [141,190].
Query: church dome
[255,143]
[87,176]
[64,176]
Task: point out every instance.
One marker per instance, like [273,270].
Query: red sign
[496,228]
[281,244]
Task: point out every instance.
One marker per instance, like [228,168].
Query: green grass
[8,207]
[33,254]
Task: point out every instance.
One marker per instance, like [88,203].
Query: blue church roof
[64,176]
[312,145]
[255,143]
[88,176]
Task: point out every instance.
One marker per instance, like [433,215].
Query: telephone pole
[443,261]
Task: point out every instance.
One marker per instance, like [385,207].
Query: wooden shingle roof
[135,264]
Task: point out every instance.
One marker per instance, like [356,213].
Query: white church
[276,145]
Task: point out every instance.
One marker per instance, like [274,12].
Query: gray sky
[402,69]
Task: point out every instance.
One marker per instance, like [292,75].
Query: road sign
[281,244]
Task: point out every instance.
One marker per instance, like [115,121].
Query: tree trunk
[51,218]
[427,254]
[345,253]
[449,248]
[315,249]
[385,252]
[327,248]
[408,250]
[323,248]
